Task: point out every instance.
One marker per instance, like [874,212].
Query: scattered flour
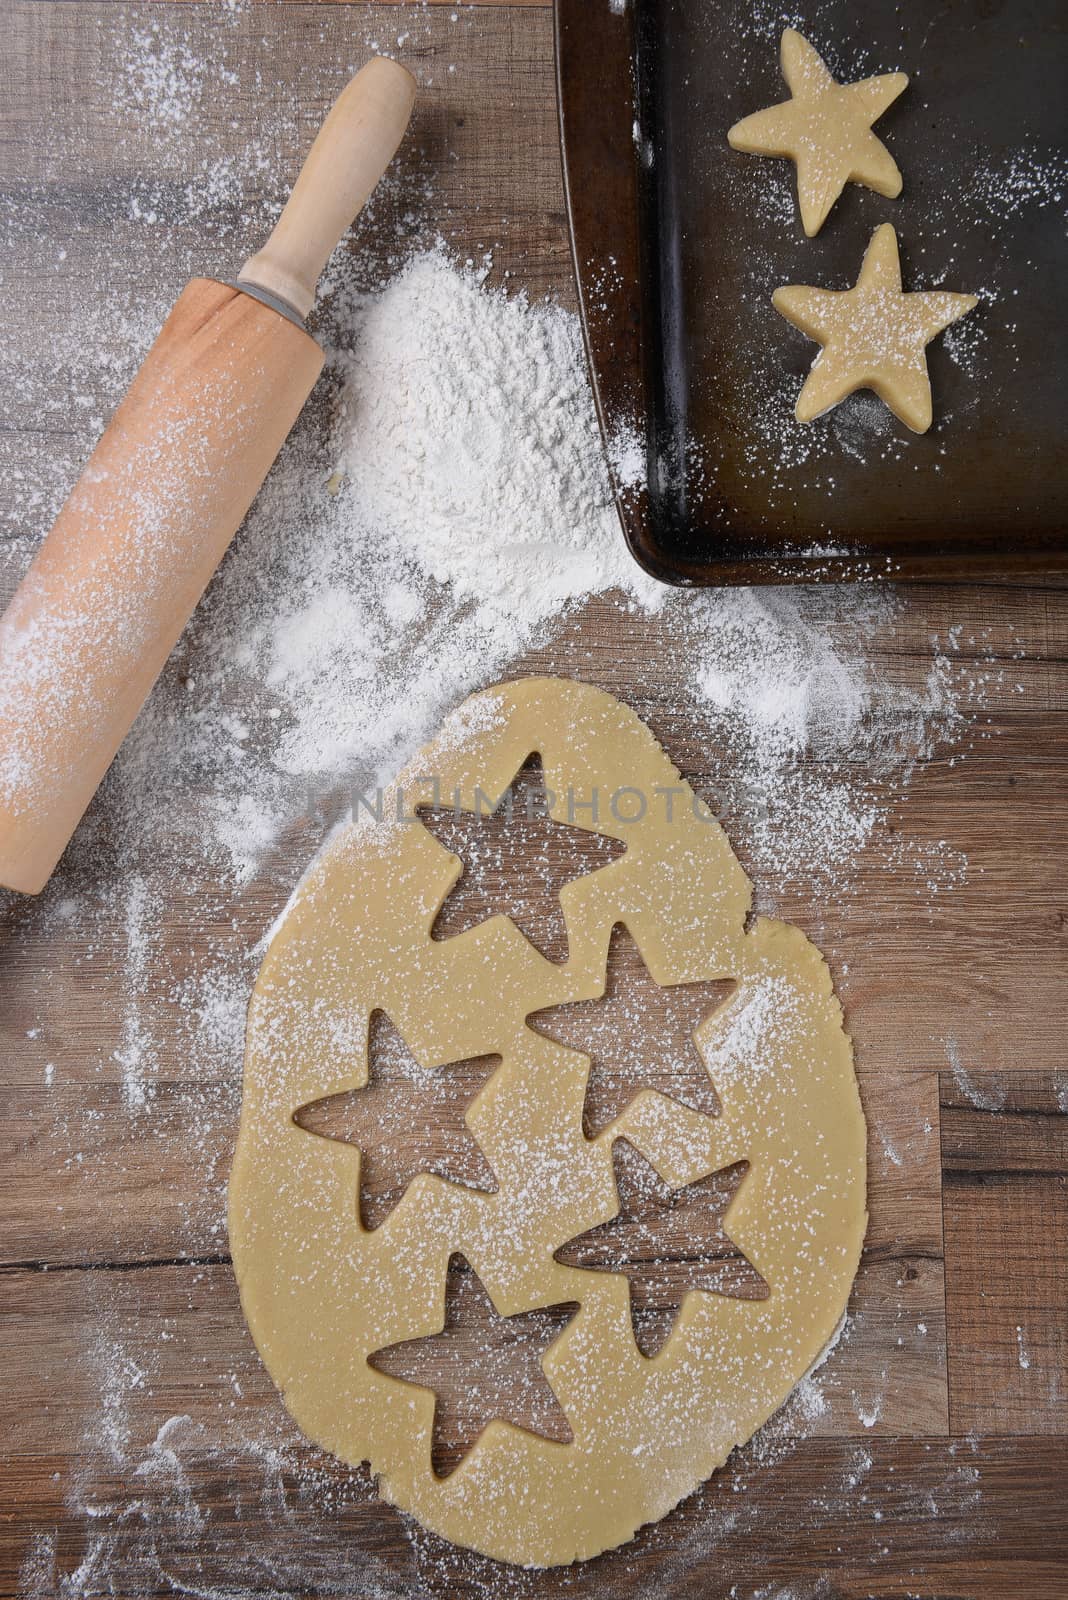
[984,1098]
[737,1045]
[869,1415]
[166,77]
[1031,178]
[134,1054]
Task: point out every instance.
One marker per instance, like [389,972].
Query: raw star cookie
[874,336]
[606,1273]
[825,129]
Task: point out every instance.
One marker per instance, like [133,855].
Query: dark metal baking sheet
[679,242]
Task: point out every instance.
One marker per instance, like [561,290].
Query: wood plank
[888,1376]
[1005,1187]
[819,1520]
[86,1181]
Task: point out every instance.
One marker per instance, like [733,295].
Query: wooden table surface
[143,1449]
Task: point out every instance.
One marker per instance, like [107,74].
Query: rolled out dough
[322,1295]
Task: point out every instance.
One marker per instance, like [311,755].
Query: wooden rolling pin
[166,489]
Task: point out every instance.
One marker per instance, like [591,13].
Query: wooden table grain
[935,1463]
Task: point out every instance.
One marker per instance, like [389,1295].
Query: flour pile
[472,440]
[458,508]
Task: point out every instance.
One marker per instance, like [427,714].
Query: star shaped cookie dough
[825,130]
[407,1119]
[516,860]
[638,1035]
[481,1366]
[668,1242]
[874,336]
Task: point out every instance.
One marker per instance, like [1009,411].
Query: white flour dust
[983,1096]
[486,469]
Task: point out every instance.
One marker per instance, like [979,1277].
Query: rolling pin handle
[353,149]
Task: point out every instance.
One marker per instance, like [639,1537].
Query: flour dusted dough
[321,1294]
[825,130]
[874,336]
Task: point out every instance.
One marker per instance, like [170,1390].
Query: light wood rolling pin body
[166,489]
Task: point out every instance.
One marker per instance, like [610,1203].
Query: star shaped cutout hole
[638,1035]
[516,859]
[481,1366]
[406,1120]
[874,336]
[668,1242]
[825,130]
